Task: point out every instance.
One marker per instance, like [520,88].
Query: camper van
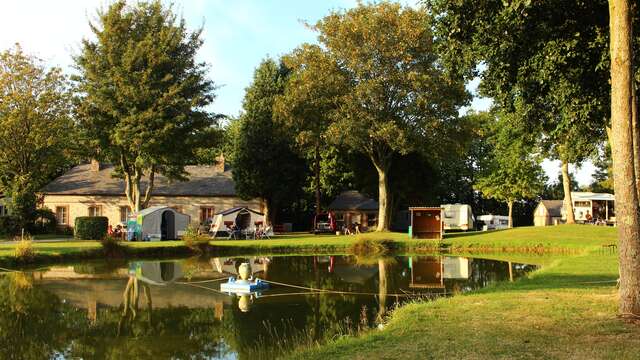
[493,222]
[457,217]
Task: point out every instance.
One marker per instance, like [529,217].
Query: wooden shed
[426,223]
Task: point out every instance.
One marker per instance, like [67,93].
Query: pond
[175,309]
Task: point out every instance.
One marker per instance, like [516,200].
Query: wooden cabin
[352,207]
[548,212]
[426,223]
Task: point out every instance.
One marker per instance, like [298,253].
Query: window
[125,212]
[95,210]
[206,214]
[448,214]
[62,215]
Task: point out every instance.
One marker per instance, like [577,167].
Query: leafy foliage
[91,227]
[513,172]
[265,164]
[35,128]
[143,95]
[377,79]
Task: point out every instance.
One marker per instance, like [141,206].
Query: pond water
[175,309]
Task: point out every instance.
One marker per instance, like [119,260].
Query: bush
[195,241]
[45,222]
[24,249]
[111,246]
[9,225]
[91,227]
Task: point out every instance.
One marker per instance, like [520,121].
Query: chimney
[219,165]
[95,165]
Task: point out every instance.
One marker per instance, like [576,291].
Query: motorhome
[493,222]
[457,217]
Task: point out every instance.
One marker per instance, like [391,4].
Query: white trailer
[457,217]
[494,222]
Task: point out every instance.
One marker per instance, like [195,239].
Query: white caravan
[457,217]
[493,222]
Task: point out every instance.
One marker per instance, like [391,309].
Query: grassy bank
[565,310]
[497,244]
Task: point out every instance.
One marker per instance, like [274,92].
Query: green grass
[567,309]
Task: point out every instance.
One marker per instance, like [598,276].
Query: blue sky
[238,34]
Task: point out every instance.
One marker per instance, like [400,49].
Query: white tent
[161,223]
[240,217]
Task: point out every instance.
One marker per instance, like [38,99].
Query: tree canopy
[513,173]
[394,98]
[143,95]
[36,130]
[265,164]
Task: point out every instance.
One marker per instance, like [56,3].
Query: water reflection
[174,309]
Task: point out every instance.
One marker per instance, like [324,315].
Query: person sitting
[588,217]
[117,232]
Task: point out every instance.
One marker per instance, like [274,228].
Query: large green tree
[553,67]
[36,129]
[309,99]
[265,164]
[143,95]
[396,99]
[513,173]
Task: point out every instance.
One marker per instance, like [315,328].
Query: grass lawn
[565,310]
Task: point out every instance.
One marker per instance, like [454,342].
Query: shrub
[91,227]
[368,245]
[24,250]
[195,241]
[45,222]
[9,225]
[111,246]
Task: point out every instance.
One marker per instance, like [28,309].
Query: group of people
[351,229]
[597,221]
[118,232]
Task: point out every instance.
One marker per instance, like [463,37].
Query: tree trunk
[636,136]
[623,157]
[149,190]
[316,170]
[566,186]
[383,196]
[510,205]
[269,212]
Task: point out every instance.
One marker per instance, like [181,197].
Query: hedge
[91,227]
[9,225]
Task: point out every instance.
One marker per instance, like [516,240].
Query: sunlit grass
[567,309]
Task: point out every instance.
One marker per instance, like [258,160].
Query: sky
[237,34]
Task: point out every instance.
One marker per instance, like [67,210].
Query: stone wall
[78,205]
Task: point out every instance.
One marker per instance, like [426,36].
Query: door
[168,226]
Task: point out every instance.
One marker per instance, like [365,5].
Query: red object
[110,230]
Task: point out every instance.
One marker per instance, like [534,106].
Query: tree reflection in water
[38,321]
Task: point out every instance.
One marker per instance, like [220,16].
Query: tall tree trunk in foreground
[566,187]
[623,157]
[636,135]
[510,205]
[384,210]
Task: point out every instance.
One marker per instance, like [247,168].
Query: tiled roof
[554,207]
[353,200]
[203,180]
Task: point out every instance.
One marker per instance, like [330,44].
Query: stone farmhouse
[91,190]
